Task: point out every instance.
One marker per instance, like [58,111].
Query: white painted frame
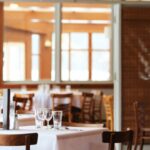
[116,33]
[58,42]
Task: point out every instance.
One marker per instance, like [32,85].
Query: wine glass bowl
[41,114]
[48,115]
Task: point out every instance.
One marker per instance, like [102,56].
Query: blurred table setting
[56,136]
[65,138]
[43,99]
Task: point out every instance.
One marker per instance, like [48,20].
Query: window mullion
[69,56]
[58,42]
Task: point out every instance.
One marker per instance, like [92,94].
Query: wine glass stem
[47,124]
[42,123]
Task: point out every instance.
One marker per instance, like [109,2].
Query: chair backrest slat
[124,137]
[87,107]
[108,105]
[21,102]
[19,139]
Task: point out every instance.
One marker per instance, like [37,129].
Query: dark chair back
[139,115]
[97,109]
[141,130]
[123,137]
[23,102]
[66,108]
[19,140]
[87,107]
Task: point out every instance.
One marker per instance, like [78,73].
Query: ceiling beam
[30,4]
[44,28]
[49,15]
[49,4]
[39,28]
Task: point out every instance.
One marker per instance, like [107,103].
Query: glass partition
[29,35]
[86,42]
[28,28]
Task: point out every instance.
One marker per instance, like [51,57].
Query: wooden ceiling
[39,17]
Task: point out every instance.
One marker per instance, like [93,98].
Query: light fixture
[14,6]
[48,43]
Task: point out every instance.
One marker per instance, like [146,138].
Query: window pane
[35,68]
[35,57]
[65,41]
[79,40]
[88,32]
[79,66]
[100,41]
[35,43]
[14,69]
[65,65]
[34,32]
[100,66]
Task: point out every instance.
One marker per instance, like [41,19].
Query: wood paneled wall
[135,55]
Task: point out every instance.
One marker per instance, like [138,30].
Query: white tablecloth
[73,138]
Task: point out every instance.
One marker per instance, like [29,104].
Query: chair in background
[63,101]
[108,106]
[23,103]
[1,124]
[123,137]
[140,129]
[19,140]
[87,107]
[97,109]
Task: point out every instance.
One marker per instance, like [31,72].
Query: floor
[146,147]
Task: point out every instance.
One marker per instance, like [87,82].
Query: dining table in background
[43,98]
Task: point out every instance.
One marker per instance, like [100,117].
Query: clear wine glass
[48,116]
[41,113]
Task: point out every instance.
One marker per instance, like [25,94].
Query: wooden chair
[140,129]
[23,103]
[87,107]
[1,124]
[123,137]
[108,106]
[97,109]
[19,140]
[57,104]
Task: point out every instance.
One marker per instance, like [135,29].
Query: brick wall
[135,61]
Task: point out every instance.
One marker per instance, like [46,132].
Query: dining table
[65,138]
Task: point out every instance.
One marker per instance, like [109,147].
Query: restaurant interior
[84,63]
